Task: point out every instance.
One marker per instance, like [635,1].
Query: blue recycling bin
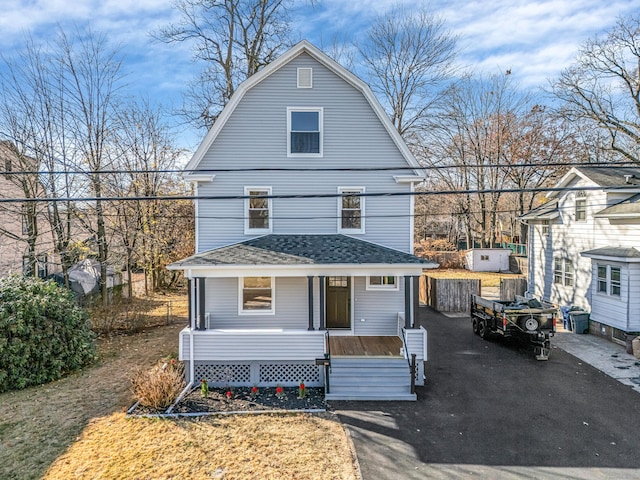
[566,321]
[579,322]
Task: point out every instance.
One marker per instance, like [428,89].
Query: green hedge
[43,333]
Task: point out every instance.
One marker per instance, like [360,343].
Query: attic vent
[305,77]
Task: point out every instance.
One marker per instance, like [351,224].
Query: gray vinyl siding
[291,300]
[378,308]
[255,135]
[610,309]
[633,290]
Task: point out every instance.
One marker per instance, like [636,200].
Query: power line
[319,195]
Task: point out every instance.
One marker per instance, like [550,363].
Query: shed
[487,259]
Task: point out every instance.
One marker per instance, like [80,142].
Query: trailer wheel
[483,330]
[474,324]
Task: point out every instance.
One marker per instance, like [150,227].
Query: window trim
[561,274]
[320,111]
[242,311]
[580,212]
[615,283]
[602,281]
[342,191]
[300,75]
[247,229]
[383,287]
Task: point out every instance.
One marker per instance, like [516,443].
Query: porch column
[201,304]
[189,302]
[322,303]
[310,286]
[407,301]
[416,302]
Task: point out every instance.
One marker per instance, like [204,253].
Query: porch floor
[368,346]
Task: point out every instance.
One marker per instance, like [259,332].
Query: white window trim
[242,311]
[259,231]
[320,111]
[395,287]
[342,190]
[609,281]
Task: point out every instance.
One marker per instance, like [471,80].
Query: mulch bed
[242,401]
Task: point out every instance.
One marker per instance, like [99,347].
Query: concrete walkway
[608,357]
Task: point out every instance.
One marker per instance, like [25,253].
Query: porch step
[360,378]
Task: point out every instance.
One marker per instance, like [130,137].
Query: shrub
[160,386]
[43,333]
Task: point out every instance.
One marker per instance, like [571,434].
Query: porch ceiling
[303,252]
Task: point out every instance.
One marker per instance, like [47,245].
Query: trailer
[522,317]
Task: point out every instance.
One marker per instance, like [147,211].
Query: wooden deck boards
[365,346]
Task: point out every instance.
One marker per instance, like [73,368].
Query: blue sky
[533,38]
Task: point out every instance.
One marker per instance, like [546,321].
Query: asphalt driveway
[489,409]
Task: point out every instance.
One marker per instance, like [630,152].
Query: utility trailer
[522,317]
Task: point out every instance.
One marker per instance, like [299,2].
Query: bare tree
[234,38]
[408,55]
[602,87]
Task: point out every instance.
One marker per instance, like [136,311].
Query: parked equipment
[522,317]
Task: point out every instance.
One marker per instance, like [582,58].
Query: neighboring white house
[488,259]
[279,285]
[584,247]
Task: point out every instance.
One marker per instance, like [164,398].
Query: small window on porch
[382,283]
[256,296]
[602,279]
[615,281]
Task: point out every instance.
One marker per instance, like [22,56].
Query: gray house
[584,247]
[301,263]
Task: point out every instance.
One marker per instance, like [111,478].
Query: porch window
[256,296]
[615,281]
[602,279]
[382,283]
[257,210]
[581,207]
[305,132]
[351,210]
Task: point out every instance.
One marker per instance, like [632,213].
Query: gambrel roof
[303,47]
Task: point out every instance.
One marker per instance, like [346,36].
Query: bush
[159,387]
[43,333]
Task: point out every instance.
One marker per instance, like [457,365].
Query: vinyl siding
[255,136]
[378,308]
[610,309]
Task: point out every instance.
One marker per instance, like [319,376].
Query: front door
[338,313]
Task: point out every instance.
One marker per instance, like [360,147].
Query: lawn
[488,279]
[75,427]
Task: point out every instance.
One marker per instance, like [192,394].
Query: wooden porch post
[407,301]
[322,303]
[310,286]
[416,302]
[201,304]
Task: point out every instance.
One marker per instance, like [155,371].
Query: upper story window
[255,296]
[258,217]
[581,207]
[545,227]
[350,210]
[382,283]
[304,132]
[305,77]
[563,272]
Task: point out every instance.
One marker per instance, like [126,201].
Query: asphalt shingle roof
[628,207]
[300,250]
[612,176]
[617,252]
[546,211]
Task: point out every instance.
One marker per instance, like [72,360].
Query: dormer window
[581,207]
[304,132]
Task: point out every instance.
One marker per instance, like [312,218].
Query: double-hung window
[563,272]
[615,281]
[382,283]
[258,217]
[351,210]
[255,296]
[304,127]
[602,279]
[581,207]
[609,281]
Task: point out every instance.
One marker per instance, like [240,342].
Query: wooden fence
[448,295]
[510,287]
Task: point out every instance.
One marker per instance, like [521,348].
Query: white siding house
[300,240]
[584,247]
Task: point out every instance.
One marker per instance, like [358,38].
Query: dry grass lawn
[79,421]
[238,447]
[488,279]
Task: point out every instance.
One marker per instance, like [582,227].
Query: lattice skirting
[267,373]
